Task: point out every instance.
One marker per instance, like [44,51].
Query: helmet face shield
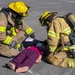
[16,17]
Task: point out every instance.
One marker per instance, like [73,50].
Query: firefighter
[13,29]
[58,40]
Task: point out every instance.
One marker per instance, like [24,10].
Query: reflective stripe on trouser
[52,49]
[71,62]
[66,48]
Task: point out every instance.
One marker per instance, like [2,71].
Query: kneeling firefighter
[58,39]
[13,29]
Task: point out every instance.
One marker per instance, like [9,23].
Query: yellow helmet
[19,7]
[46,17]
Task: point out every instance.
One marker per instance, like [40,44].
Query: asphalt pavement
[37,8]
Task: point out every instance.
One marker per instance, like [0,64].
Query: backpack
[5,11]
[70,17]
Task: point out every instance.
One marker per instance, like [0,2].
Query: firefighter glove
[32,35]
[15,45]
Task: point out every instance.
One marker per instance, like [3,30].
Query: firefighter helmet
[19,7]
[46,17]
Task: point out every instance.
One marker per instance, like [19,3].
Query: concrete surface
[37,8]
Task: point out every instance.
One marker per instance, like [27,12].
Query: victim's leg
[19,58]
[28,62]
[11,66]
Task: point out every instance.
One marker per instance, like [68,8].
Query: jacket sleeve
[57,27]
[28,30]
[3,25]
[54,35]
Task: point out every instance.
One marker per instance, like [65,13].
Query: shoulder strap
[5,11]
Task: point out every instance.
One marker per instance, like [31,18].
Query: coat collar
[10,19]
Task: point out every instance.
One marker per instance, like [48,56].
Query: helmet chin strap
[17,19]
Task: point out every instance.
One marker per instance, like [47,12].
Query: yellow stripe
[47,16]
[63,19]
[42,22]
[44,14]
[72,47]
[2,29]
[13,31]
[29,30]
[8,39]
[67,31]
[53,34]
[52,49]
[18,45]
[22,20]
[70,62]
[65,48]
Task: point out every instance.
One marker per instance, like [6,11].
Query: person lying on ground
[27,58]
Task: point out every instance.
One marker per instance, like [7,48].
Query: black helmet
[46,17]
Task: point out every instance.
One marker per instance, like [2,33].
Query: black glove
[73,53]
[26,35]
[32,35]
